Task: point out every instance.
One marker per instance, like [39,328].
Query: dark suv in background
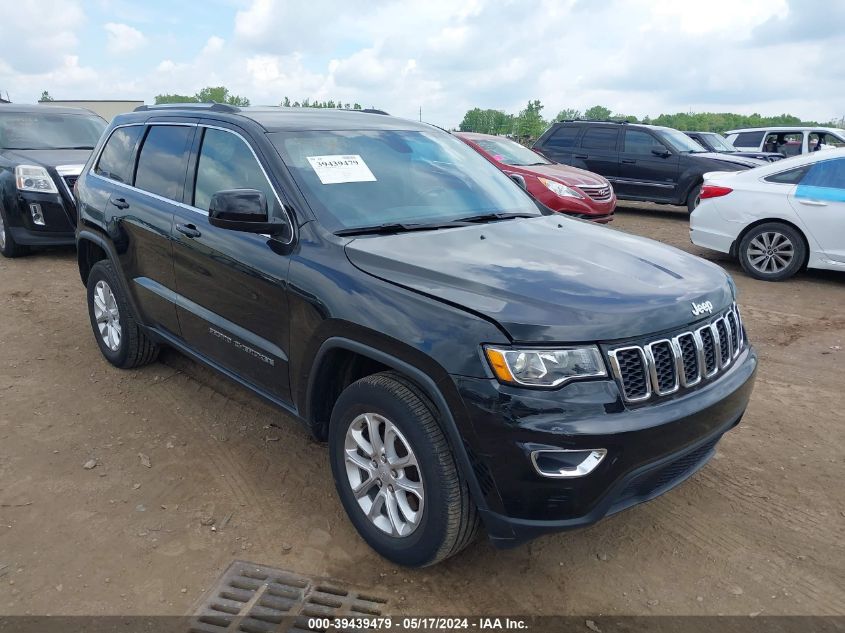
[642,162]
[42,151]
[468,355]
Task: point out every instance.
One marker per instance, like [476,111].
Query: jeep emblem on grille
[701,308]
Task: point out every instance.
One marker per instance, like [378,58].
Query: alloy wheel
[384,474]
[107,315]
[770,252]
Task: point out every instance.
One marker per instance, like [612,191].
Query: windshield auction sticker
[336,169]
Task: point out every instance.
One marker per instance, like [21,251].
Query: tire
[693,198]
[428,528]
[8,247]
[772,251]
[125,346]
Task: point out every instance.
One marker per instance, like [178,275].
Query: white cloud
[635,56]
[123,38]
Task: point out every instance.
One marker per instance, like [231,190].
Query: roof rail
[212,107]
[619,121]
[372,111]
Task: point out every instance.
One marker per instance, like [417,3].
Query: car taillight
[714,191]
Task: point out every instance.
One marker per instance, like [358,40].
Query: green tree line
[529,123]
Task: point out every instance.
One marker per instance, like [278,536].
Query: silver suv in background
[789,141]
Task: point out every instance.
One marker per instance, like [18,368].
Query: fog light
[567,463]
[37,215]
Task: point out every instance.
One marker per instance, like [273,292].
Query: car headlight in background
[34,178]
[560,189]
[545,367]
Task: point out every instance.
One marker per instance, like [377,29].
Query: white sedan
[778,218]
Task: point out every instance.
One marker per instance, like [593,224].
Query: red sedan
[573,191]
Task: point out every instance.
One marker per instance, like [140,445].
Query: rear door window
[600,138]
[826,173]
[163,161]
[116,160]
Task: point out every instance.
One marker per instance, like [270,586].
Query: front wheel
[396,475]
[772,251]
[8,246]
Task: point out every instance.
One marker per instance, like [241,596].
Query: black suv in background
[468,357]
[42,151]
[643,162]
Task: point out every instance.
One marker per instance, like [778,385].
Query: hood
[550,279]
[732,159]
[571,176]
[48,157]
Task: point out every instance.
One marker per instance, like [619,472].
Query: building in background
[106,108]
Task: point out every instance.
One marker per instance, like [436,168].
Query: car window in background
[826,173]
[786,143]
[43,130]
[564,136]
[600,138]
[226,162]
[116,159]
[790,176]
[358,178]
[163,161]
[749,139]
[638,142]
[511,153]
[719,142]
[680,142]
[823,140]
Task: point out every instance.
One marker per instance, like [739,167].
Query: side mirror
[662,152]
[519,179]
[242,210]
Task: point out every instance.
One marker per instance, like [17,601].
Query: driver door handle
[120,203]
[188,229]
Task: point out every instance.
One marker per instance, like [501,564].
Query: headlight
[545,367]
[34,178]
[559,189]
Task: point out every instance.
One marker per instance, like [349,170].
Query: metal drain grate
[250,598]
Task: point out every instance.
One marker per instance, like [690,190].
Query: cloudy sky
[444,56]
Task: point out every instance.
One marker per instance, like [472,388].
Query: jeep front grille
[664,366]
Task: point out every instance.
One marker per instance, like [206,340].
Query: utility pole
[420,114]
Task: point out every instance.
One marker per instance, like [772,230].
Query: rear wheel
[772,251]
[8,246]
[120,338]
[694,198]
[395,473]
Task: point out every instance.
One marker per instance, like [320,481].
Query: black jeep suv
[468,358]
[642,162]
[42,151]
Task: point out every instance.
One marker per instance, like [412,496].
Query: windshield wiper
[398,227]
[488,217]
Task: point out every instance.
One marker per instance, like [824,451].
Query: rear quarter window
[748,139]
[115,161]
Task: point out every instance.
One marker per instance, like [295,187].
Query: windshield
[719,143]
[363,178]
[510,152]
[681,142]
[44,130]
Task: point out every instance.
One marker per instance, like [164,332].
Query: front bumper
[650,449]
[59,216]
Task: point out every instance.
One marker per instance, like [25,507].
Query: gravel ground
[190,472]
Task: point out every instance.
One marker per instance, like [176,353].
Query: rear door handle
[628,161]
[188,229]
[581,156]
[812,203]
[120,203]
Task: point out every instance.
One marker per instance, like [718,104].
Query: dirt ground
[759,530]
